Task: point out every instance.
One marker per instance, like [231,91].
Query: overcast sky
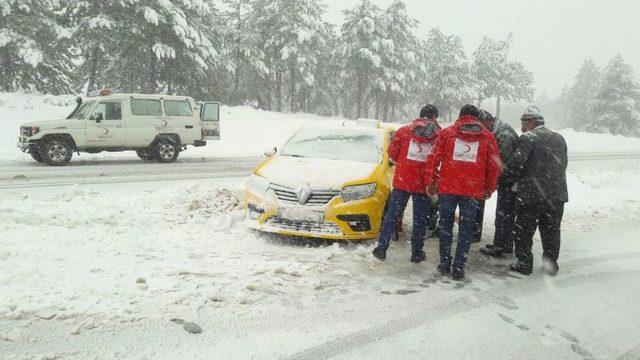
[551,37]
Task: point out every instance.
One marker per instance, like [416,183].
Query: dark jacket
[507,139]
[539,167]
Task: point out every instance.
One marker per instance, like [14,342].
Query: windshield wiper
[294,155]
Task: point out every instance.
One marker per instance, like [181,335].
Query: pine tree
[616,106]
[399,50]
[360,53]
[495,76]
[242,56]
[581,93]
[446,71]
[169,46]
[292,32]
[34,47]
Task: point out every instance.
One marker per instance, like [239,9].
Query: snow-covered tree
[163,45]
[292,33]
[447,83]
[97,26]
[399,51]
[34,47]
[616,106]
[242,55]
[496,76]
[581,93]
[360,52]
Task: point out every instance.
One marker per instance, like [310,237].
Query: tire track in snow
[429,313]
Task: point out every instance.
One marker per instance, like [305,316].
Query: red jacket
[409,152]
[468,159]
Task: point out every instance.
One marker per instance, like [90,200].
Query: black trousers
[547,218]
[477,227]
[505,218]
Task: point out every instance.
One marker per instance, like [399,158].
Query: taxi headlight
[358,192]
[258,184]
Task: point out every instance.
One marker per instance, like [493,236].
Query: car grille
[25,131]
[327,228]
[317,197]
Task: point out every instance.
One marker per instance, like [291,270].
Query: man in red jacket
[465,165]
[409,149]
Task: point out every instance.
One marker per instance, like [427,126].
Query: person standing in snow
[465,165]
[409,149]
[537,170]
[507,139]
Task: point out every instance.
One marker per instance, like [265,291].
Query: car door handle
[188,126]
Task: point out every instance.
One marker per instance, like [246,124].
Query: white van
[157,127]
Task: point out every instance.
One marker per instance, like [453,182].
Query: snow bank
[581,142]
[245,131]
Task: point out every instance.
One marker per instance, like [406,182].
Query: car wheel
[166,151]
[145,155]
[36,156]
[56,152]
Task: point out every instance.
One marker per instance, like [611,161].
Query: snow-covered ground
[120,270]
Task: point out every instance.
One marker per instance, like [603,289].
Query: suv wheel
[166,151]
[145,155]
[56,152]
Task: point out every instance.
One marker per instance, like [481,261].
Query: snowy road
[34,175]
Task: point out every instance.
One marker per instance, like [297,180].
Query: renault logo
[303,192]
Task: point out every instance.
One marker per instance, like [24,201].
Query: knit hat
[429,111]
[485,115]
[532,113]
[469,110]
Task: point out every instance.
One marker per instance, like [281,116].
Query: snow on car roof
[347,124]
[140,96]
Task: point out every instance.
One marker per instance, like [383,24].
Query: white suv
[157,127]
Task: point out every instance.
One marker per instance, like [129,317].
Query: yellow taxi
[330,180]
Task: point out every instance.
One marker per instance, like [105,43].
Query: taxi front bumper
[338,220]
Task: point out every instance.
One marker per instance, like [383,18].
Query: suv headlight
[258,184]
[358,192]
[29,130]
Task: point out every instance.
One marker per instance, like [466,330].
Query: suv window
[83,110]
[110,110]
[146,107]
[177,108]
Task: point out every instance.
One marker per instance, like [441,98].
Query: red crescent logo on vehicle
[419,147]
[165,123]
[106,131]
[468,148]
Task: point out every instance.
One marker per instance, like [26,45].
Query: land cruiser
[157,127]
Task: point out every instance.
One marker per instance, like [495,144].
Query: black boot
[457,273]
[503,250]
[380,253]
[494,251]
[444,268]
[418,256]
[521,267]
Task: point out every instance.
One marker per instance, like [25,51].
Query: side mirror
[271,151]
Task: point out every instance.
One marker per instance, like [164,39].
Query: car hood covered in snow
[318,173]
[53,124]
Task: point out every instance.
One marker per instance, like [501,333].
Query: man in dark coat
[537,172]
[507,139]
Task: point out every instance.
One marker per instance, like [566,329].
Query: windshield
[362,145]
[83,110]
